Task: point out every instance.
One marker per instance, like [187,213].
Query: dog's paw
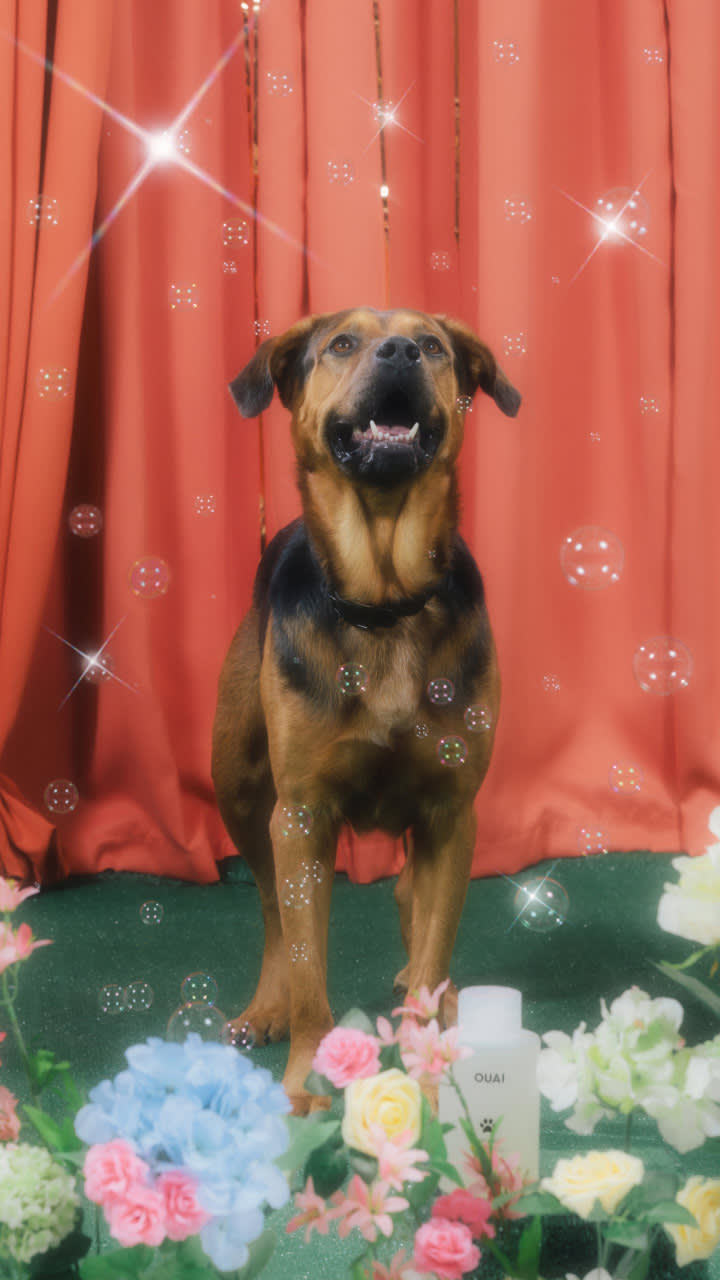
[304,1104]
[259,1025]
[400,981]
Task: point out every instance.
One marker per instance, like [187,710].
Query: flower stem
[8,999]
[628,1130]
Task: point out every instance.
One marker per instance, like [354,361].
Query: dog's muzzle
[395,429]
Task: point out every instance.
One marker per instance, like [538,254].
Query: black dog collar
[369,616]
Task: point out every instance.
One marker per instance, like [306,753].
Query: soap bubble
[663,666]
[541,904]
[242,1037]
[295,820]
[441,691]
[112,998]
[139,995]
[421,729]
[591,840]
[451,752]
[592,558]
[151,912]
[85,521]
[199,988]
[99,668]
[149,577]
[625,779]
[61,796]
[205,1019]
[478,718]
[352,679]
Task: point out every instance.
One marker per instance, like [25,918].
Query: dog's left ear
[477,367]
[278,362]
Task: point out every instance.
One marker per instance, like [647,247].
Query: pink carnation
[183,1215]
[138,1218]
[111,1169]
[462,1206]
[346,1054]
[445,1248]
[9,1122]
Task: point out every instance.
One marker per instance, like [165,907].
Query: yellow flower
[390,1100]
[702,1197]
[606,1176]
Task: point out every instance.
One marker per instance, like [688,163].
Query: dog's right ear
[278,362]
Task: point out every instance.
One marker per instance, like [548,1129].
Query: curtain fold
[543,171]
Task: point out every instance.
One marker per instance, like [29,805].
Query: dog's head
[380,394]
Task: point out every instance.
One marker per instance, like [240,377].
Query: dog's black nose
[399,353]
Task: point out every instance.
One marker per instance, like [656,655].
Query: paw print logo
[486,1125]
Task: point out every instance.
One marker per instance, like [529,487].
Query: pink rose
[445,1248]
[346,1054]
[111,1169]
[183,1215]
[462,1206]
[138,1218]
[9,1122]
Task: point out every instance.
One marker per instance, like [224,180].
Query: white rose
[691,908]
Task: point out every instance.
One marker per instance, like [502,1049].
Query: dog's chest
[389,685]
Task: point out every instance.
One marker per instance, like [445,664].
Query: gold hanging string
[250,17]
[384,189]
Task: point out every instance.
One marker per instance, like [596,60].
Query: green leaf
[306,1134]
[691,960]
[317,1084]
[364,1165]
[358,1270]
[694,985]
[640,1268]
[630,1234]
[390,1056]
[535,1203]
[327,1166]
[61,1261]
[419,1193]
[528,1258]
[58,1137]
[121,1264]
[671,1211]
[444,1169]
[358,1020]
[597,1213]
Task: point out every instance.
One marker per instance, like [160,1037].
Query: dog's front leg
[442,851]
[304,870]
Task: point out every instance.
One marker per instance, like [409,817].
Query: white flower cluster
[37,1200]
[691,908]
[635,1058]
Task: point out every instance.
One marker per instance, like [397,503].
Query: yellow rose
[606,1176]
[390,1099]
[702,1197]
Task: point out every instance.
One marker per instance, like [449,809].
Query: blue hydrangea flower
[208,1110]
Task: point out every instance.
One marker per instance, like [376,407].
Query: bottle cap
[489,1015]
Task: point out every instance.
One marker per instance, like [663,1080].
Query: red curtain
[544,171]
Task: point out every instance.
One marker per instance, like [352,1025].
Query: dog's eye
[432,347]
[341,345]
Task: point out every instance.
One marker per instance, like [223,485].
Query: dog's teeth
[375,431]
[412,434]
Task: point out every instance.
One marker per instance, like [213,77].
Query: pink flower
[445,1248]
[423,1003]
[183,1215]
[11,896]
[396,1270]
[111,1169]
[366,1208]
[315,1213]
[137,1218]
[347,1054]
[463,1206]
[9,1122]
[16,946]
[508,1177]
[396,1160]
[428,1051]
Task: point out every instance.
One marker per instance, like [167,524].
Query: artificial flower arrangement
[190,1152]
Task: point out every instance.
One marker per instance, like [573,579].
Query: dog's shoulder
[462,590]
[289,581]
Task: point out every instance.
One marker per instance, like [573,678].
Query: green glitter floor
[609,942]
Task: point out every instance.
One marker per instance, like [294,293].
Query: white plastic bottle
[499,1079]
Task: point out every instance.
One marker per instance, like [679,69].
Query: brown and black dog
[362,686]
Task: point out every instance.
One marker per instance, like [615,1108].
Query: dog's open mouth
[385,446]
